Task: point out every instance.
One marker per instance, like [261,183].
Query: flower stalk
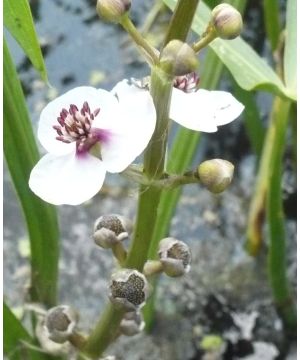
[107,328]
[148,50]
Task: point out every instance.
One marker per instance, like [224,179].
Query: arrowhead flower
[201,110]
[88,132]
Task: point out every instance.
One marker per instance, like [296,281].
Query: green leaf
[15,337]
[290,50]
[18,20]
[249,70]
[272,21]
[21,155]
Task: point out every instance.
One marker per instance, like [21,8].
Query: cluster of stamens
[75,125]
[187,83]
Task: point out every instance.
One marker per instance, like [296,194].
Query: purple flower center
[76,125]
[187,83]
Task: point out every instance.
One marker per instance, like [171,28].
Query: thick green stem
[277,248]
[107,328]
[181,20]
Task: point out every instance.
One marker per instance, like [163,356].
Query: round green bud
[227,21]
[113,10]
[178,58]
[215,174]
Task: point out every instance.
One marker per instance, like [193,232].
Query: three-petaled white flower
[88,132]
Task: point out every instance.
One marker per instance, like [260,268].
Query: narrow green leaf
[253,121]
[276,221]
[18,20]
[15,337]
[21,155]
[290,50]
[272,21]
[249,70]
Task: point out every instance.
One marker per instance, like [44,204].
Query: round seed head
[132,323]
[60,323]
[175,257]
[109,229]
[129,289]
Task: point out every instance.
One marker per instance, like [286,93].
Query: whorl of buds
[178,58]
[60,323]
[109,229]
[129,289]
[132,323]
[113,10]
[175,257]
[216,174]
[227,21]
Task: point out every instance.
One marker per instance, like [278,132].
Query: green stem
[181,20]
[149,51]
[206,39]
[277,247]
[107,328]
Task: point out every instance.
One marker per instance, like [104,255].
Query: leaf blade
[21,154]
[290,51]
[22,29]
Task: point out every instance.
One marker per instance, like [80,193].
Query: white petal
[131,129]
[96,99]
[204,110]
[193,110]
[226,107]
[67,179]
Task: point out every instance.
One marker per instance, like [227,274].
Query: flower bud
[215,174]
[175,257]
[129,289]
[60,323]
[227,21]
[109,229]
[113,10]
[132,323]
[178,58]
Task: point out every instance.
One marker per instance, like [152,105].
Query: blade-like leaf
[18,20]
[21,155]
[246,66]
[290,50]
[15,337]
[272,21]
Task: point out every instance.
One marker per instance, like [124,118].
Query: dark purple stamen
[76,125]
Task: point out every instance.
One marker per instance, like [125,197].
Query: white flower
[87,132]
[201,110]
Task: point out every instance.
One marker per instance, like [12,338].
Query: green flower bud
[113,10]
[178,58]
[132,323]
[129,289]
[175,257]
[227,21]
[215,174]
[60,323]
